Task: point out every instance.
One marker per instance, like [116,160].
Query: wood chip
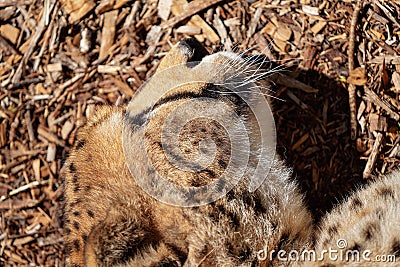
[377,123]
[179,8]
[373,156]
[396,81]
[15,257]
[164,9]
[56,67]
[50,136]
[66,129]
[108,33]
[10,33]
[223,33]
[108,69]
[189,30]
[310,10]
[51,153]
[357,77]
[283,33]
[191,9]
[125,88]
[300,141]
[373,97]
[77,9]
[318,27]
[36,169]
[23,240]
[104,6]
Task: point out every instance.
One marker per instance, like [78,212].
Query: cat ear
[183,52]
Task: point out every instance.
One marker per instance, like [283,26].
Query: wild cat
[110,217]
[186,175]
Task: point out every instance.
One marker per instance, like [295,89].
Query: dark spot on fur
[327,265]
[379,213]
[219,141]
[258,205]
[284,239]
[168,263]
[356,202]
[356,246]
[76,225]
[369,230]
[67,249]
[221,184]
[80,144]
[210,173]
[221,209]
[77,245]
[77,188]
[386,192]
[332,230]
[244,254]
[159,144]
[84,237]
[248,200]
[230,196]
[196,183]
[75,203]
[75,265]
[67,231]
[90,213]
[274,224]
[76,213]
[222,163]
[87,188]
[396,248]
[254,202]
[72,168]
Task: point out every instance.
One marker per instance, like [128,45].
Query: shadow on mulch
[315,141]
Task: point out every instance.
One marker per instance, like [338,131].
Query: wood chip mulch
[60,58]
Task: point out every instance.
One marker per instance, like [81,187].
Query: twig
[297,100]
[192,9]
[373,156]
[374,98]
[23,188]
[387,13]
[352,88]
[290,82]
[32,45]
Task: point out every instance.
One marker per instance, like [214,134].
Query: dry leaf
[357,77]
[384,75]
[164,8]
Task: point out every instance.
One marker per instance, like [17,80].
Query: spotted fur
[110,221]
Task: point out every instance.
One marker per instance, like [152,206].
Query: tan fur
[110,221]
[368,220]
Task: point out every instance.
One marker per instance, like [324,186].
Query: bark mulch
[60,58]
